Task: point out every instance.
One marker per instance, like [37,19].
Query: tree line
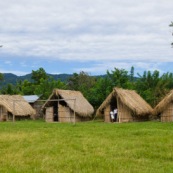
[152,86]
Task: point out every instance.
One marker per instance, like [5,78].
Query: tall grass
[35,146]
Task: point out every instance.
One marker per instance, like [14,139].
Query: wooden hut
[131,107]
[164,109]
[14,106]
[67,106]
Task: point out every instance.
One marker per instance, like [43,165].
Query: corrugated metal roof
[31,98]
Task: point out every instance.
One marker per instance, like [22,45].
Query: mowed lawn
[36,146]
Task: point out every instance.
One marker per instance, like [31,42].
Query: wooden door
[49,114]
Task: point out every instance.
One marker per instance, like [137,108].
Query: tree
[152,87]
[38,75]
[168,80]
[118,78]
[1,76]
[100,91]
[46,87]
[132,74]
[25,87]
[82,82]
[42,84]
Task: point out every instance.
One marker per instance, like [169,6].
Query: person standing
[115,114]
[112,116]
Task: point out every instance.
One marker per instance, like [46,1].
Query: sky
[70,36]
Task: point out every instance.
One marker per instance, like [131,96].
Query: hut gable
[16,104]
[74,100]
[133,101]
[165,107]
[82,106]
[129,101]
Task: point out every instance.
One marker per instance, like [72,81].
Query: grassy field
[36,146]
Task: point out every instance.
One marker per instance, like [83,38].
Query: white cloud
[81,30]
[102,67]
[8,62]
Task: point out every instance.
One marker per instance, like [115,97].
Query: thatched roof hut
[14,105]
[64,103]
[131,106]
[164,109]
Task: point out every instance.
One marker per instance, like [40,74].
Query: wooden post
[74,111]
[118,112]
[0,113]
[13,110]
[58,112]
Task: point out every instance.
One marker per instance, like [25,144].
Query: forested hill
[13,79]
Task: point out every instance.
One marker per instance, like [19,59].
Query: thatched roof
[129,98]
[82,106]
[16,104]
[163,103]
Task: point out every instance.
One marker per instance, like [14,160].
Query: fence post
[74,111]
[13,110]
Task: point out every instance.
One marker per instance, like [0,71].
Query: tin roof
[31,98]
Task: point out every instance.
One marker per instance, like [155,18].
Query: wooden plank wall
[49,114]
[167,114]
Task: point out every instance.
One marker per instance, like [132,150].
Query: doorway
[55,111]
[114,108]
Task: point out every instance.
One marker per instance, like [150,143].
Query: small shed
[14,105]
[67,106]
[31,99]
[130,106]
[36,104]
[164,109]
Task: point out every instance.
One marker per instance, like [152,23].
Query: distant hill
[13,79]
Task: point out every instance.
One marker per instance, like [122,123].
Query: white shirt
[112,114]
[115,111]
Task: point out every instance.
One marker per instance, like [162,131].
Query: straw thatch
[164,103]
[75,101]
[16,105]
[130,99]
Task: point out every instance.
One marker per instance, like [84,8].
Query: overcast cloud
[92,35]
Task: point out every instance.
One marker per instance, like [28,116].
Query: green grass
[36,146]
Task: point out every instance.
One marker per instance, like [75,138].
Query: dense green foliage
[1,77]
[152,86]
[40,84]
[33,146]
[14,79]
